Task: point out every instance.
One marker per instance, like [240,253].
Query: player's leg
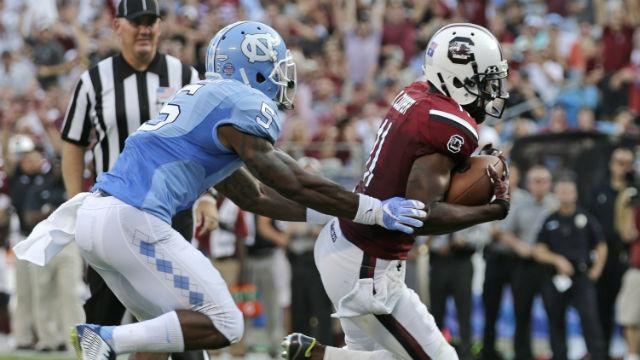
[408,332]
[102,307]
[182,222]
[156,271]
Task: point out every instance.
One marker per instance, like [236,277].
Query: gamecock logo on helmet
[260,47]
[461,50]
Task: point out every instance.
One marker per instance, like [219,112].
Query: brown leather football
[470,185]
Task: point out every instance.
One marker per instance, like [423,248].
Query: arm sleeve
[77,121]
[448,134]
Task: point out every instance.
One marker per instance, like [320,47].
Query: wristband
[316,217]
[368,209]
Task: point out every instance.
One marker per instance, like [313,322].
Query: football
[470,185]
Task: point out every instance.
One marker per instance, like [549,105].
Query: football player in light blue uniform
[218,132]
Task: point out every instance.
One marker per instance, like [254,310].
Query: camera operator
[628,301]
[603,206]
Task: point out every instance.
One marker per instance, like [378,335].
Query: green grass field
[35,356]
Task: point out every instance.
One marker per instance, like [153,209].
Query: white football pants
[377,314]
[150,267]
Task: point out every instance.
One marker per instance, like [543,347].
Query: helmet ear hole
[457,83]
[260,78]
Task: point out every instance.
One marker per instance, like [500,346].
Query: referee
[110,102]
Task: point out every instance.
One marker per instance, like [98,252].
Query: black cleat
[297,346]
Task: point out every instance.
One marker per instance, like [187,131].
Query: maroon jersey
[418,123]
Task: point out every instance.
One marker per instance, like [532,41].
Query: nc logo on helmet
[260,47]
[461,50]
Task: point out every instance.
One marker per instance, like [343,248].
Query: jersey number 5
[171,111]
[266,117]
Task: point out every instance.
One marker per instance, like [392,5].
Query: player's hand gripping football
[500,181]
[500,188]
[401,214]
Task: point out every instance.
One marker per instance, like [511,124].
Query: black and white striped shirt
[112,100]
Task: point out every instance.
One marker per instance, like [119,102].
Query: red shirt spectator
[474,11]
[399,30]
[616,47]
[634,91]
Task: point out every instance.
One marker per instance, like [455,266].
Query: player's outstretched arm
[428,182]
[279,171]
[251,195]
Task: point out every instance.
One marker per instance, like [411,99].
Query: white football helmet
[465,62]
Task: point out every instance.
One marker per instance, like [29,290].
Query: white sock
[333,353]
[161,334]
[631,356]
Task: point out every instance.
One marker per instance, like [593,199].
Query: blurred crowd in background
[574,69]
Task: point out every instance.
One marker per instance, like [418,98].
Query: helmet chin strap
[476,110]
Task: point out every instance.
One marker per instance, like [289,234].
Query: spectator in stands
[261,271]
[616,45]
[225,246]
[498,256]
[362,32]
[566,242]
[451,272]
[310,305]
[399,29]
[627,309]
[602,206]
[16,73]
[48,297]
[48,56]
[5,222]
[586,120]
[557,121]
[519,232]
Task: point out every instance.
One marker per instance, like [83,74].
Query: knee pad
[228,320]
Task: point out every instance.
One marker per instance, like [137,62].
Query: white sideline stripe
[457,119]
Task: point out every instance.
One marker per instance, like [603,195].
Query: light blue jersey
[171,159]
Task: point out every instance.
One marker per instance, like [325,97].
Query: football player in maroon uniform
[430,129]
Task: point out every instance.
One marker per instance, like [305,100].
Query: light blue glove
[400,214]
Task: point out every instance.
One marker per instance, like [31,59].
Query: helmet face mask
[285,76]
[254,54]
[465,62]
